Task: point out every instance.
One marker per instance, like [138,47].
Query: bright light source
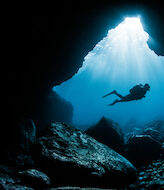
[130,29]
[133,24]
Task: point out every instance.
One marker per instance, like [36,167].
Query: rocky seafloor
[102,157]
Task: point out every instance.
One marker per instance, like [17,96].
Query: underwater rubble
[150,177]
[63,157]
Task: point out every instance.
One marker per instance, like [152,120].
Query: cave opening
[119,61]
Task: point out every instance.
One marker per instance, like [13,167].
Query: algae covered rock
[71,157]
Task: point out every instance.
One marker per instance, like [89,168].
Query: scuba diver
[136,93]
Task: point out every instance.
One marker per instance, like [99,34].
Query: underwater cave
[119,61]
[71,117]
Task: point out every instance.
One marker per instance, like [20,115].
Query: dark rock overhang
[52,48]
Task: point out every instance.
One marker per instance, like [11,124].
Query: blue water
[119,61]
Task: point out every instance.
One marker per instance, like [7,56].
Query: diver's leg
[116,101]
[113,92]
[119,95]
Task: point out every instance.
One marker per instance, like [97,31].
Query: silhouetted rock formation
[108,132]
[142,149]
[71,157]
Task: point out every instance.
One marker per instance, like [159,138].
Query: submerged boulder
[108,132]
[155,134]
[155,129]
[35,178]
[71,157]
[141,149]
